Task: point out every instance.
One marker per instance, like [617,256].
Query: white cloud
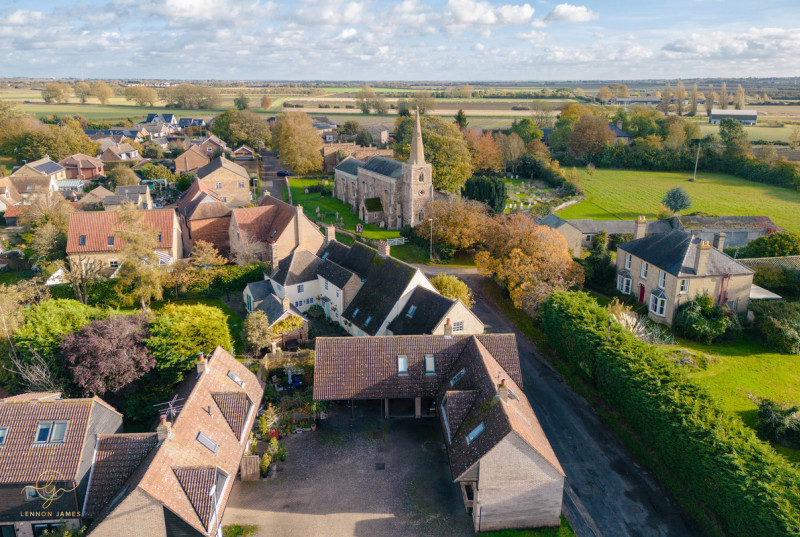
[570,13]
[775,44]
[478,47]
[20,17]
[464,12]
[347,34]
[533,36]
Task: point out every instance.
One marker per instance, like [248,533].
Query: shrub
[266,460]
[239,530]
[737,484]
[779,422]
[702,320]
[778,323]
[325,190]
[781,280]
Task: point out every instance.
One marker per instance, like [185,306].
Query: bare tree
[34,374]
[680,95]
[245,249]
[666,95]
[542,113]
[723,97]
[710,96]
[740,98]
[693,101]
[82,273]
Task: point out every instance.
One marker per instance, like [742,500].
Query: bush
[783,281]
[779,423]
[617,239]
[736,484]
[702,320]
[239,530]
[778,324]
[325,190]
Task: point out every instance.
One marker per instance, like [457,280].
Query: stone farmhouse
[228,179]
[177,480]
[44,437]
[499,455]
[387,192]
[666,270]
[92,236]
[203,216]
[365,291]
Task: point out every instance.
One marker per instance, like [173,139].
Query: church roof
[384,166]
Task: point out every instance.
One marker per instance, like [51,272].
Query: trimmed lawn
[10,277]
[625,194]
[234,321]
[328,206]
[743,367]
[564,530]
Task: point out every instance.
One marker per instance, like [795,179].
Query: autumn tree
[693,100]
[666,97]
[15,300]
[619,90]
[122,176]
[512,147]
[739,98]
[680,95]
[102,92]
[257,332]
[794,137]
[734,137]
[82,91]
[28,139]
[457,223]
[139,276]
[605,94]
[710,97]
[484,151]
[445,150]
[542,114]
[424,102]
[784,243]
[589,137]
[55,92]
[454,288]
[190,96]
[298,143]
[83,273]
[461,119]
[677,199]
[488,190]
[365,97]
[141,95]
[527,129]
[239,127]
[206,263]
[242,101]
[530,260]
[107,355]
[245,249]
[266,102]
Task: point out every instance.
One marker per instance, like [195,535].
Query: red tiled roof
[16,210]
[193,191]
[265,223]
[81,161]
[97,226]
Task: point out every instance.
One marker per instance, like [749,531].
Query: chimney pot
[163,430]
[502,391]
[448,328]
[619,125]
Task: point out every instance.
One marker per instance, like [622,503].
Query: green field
[743,367]
[625,194]
[770,134]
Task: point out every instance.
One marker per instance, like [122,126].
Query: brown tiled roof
[36,182]
[81,161]
[196,483]
[366,368]
[32,396]
[168,476]
[21,460]
[267,222]
[222,162]
[97,226]
[13,193]
[200,202]
[16,210]
[116,458]
[459,403]
[233,406]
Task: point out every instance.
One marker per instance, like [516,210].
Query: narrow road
[608,492]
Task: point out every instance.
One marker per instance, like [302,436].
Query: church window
[421,177]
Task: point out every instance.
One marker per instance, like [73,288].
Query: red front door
[641,293]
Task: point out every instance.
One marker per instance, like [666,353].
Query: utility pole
[696,160]
[430,255]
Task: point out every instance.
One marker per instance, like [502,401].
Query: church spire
[417,155]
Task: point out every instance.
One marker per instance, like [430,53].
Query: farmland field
[625,194]
[770,134]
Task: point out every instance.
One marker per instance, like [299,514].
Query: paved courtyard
[366,477]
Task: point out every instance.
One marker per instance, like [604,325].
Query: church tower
[417,180]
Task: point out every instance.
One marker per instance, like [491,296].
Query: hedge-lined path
[608,492]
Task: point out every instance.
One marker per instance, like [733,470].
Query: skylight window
[50,432]
[355,312]
[274,231]
[3,435]
[235,378]
[111,240]
[458,377]
[475,433]
[430,364]
[411,311]
[82,240]
[207,442]
[325,255]
[366,323]
[402,365]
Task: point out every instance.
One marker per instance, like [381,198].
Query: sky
[457,40]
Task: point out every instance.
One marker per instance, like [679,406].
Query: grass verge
[564,530]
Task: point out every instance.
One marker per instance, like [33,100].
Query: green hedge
[778,323]
[740,485]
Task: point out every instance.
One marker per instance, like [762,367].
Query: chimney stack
[502,391]
[448,328]
[297,228]
[719,240]
[330,234]
[619,125]
[201,362]
[701,259]
[641,228]
[162,431]
[286,303]
[383,248]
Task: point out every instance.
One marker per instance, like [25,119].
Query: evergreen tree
[461,119]
[488,190]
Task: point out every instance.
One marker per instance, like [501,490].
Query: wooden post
[386,408]
[418,407]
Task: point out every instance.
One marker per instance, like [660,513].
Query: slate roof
[260,289]
[429,306]
[167,118]
[614,227]
[366,368]
[222,162]
[337,274]
[619,133]
[116,458]
[675,253]
[335,251]
[131,190]
[299,267]
[482,370]
[725,223]
[350,165]
[267,222]
[23,462]
[97,226]
[384,166]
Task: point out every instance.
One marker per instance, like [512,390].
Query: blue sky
[399,40]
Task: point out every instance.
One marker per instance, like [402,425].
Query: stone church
[387,192]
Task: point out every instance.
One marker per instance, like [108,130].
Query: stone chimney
[619,125]
[201,362]
[448,328]
[701,259]
[286,303]
[383,248]
[502,391]
[163,429]
[719,240]
[297,229]
[330,234]
[641,228]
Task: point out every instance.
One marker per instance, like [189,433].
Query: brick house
[45,439]
[499,455]
[80,166]
[211,144]
[119,152]
[273,230]
[244,153]
[182,484]
[228,179]
[91,235]
[666,270]
[203,216]
[191,160]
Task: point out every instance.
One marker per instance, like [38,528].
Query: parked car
[284,173]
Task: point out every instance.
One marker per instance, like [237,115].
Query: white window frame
[3,435]
[458,376]
[51,426]
[241,184]
[624,284]
[430,364]
[627,261]
[217,186]
[325,284]
[662,279]
[684,286]
[402,365]
[300,288]
[458,326]
[658,305]
[644,270]
[475,433]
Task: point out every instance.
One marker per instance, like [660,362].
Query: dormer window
[110,241]
[82,240]
[475,433]
[402,366]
